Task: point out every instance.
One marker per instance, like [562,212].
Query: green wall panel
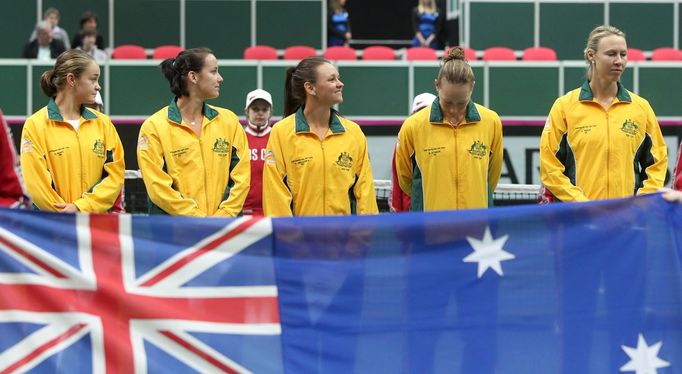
[16,26]
[13,94]
[285,23]
[137,91]
[661,87]
[565,26]
[379,91]
[237,82]
[646,26]
[223,26]
[273,82]
[523,92]
[501,24]
[149,23]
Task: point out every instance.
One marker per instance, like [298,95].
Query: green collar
[436,115]
[54,114]
[175,116]
[586,93]
[302,124]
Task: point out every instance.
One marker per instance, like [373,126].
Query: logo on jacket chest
[345,161]
[478,149]
[221,147]
[98,148]
[630,128]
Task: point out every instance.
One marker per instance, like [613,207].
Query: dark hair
[455,68]
[294,89]
[87,15]
[73,61]
[86,33]
[176,69]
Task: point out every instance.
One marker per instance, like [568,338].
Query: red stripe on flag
[200,252]
[213,361]
[32,258]
[38,351]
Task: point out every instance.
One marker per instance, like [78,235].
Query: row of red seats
[136,52]
[262,52]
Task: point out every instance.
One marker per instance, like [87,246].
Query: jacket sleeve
[496,156]
[677,183]
[365,196]
[239,178]
[101,197]
[397,195]
[653,162]
[403,158]
[39,183]
[551,168]
[277,197]
[159,184]
[11,188]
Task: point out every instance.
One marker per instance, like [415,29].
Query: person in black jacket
[88,22]
[44,47]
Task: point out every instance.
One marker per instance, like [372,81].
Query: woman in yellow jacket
[602,141]
[71,156]
[316,161]
[194,157]
[449,154]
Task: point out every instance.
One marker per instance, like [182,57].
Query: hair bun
[455,53]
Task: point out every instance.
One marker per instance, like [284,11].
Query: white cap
[422,100]
[258,94]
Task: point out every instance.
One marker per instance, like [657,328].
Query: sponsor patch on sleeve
[269,157]
[26,146]
[142,143]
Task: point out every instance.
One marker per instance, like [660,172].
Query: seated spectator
[52,15]
[44,47]
[12,194]
[338,24]
[88,22]
[426,24]
[88,40]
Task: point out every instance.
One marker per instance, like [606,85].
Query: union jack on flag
[124,294]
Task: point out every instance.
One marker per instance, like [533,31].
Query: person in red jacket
[400,201]
[677,183]
[12,194]
[258,113]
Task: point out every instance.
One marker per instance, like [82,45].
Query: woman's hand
[67,208]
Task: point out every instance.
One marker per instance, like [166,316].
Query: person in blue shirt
[338,24]
[426,24]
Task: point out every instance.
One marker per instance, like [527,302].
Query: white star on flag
[488,252]
[644,359]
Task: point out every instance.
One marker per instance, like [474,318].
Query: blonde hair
[423,9]
[455,68]
[599,33]
[74,61]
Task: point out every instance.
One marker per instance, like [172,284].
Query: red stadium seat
[421,54]
[260,52]
[499,54]
[469,53]
[340,53]
[635,54]
[299,52]
[378,52]
[539,54]
[166,51]
[129,52]
[666,54]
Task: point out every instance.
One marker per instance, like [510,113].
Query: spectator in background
[426,24]
[449,155]
[44,47]
[317,162]
[677,180]
[88,44]
[194,157]
[52,16]
[400,201]
[12,193]
[258,113]
[338,24]
[71,156]
[88,22]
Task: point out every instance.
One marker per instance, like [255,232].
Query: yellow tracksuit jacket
[304,176]
[446,167]
[62,165]
[192,175]
[588,153]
